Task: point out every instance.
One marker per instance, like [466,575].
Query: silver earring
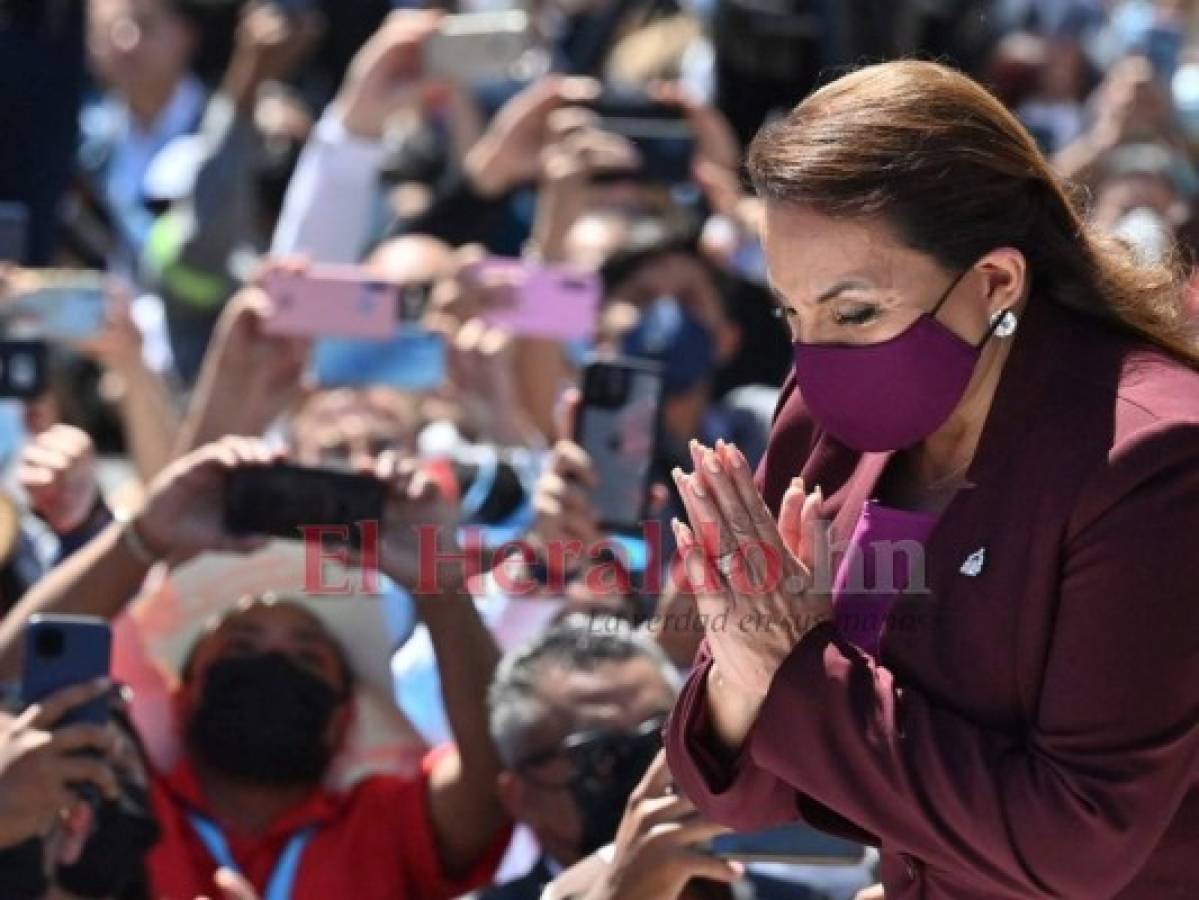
[1004,323]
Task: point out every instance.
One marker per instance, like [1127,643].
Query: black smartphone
[23,369]
[281,500]
[794,844]
[62,651]
[659,130]
[617,424]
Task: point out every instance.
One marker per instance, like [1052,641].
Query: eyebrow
[843,285]
[829,293]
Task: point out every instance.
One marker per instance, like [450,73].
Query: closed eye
[859,316]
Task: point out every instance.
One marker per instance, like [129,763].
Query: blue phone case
[412,360]
[61,651]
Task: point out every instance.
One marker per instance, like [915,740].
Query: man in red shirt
[265,705]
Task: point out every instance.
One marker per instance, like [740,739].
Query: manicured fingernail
[739,459]
[711,462]
[677,474]
[696,485]
[819,494]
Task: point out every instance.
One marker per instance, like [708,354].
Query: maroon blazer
[1031,730]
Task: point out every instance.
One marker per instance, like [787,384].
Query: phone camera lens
[49,643]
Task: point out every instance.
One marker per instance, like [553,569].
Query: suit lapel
[845,505]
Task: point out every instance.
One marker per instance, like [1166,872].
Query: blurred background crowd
[168,167]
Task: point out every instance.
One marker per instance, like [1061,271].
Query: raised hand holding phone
[385,73]
[40,761]
[249,375]
[184,509]
[617,424]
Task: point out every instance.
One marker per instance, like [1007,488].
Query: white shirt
[329,205]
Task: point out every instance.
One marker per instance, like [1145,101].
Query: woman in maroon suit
[996,414]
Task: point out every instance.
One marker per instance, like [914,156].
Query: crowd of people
[395,715]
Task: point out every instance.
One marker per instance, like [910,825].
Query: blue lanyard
[279,885]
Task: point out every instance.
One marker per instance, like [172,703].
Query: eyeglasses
[593,754]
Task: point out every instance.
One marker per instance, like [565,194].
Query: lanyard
[279,885]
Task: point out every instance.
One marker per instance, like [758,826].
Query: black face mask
[608,766]
[264,719]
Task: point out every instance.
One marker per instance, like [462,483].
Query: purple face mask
[892,394]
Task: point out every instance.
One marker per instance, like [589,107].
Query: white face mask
[1147,232]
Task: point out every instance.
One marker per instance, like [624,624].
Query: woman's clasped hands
[752,577]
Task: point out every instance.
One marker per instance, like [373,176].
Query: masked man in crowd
[263,709]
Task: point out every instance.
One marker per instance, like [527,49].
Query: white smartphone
[481,47]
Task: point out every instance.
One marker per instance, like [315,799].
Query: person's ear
[511,792]
[341,721]
[1005,278]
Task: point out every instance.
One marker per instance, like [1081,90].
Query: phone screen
[282,500]
[617,425]
[70,308]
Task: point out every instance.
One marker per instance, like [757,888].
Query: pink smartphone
[557,302]
[332,301]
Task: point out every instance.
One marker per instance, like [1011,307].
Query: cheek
[553,813]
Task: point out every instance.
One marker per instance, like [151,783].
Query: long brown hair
[932,153]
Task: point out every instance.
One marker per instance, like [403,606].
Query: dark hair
[577,643]
[934,155]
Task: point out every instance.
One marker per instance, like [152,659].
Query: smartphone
[67,305]
[659,130]
[14,232]
[794,844]
[282,499]
[617,424]
[332,301]
[61,651]
[23,368]
[557,302]
[474,48]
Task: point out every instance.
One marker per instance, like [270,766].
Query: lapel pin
[974,562]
